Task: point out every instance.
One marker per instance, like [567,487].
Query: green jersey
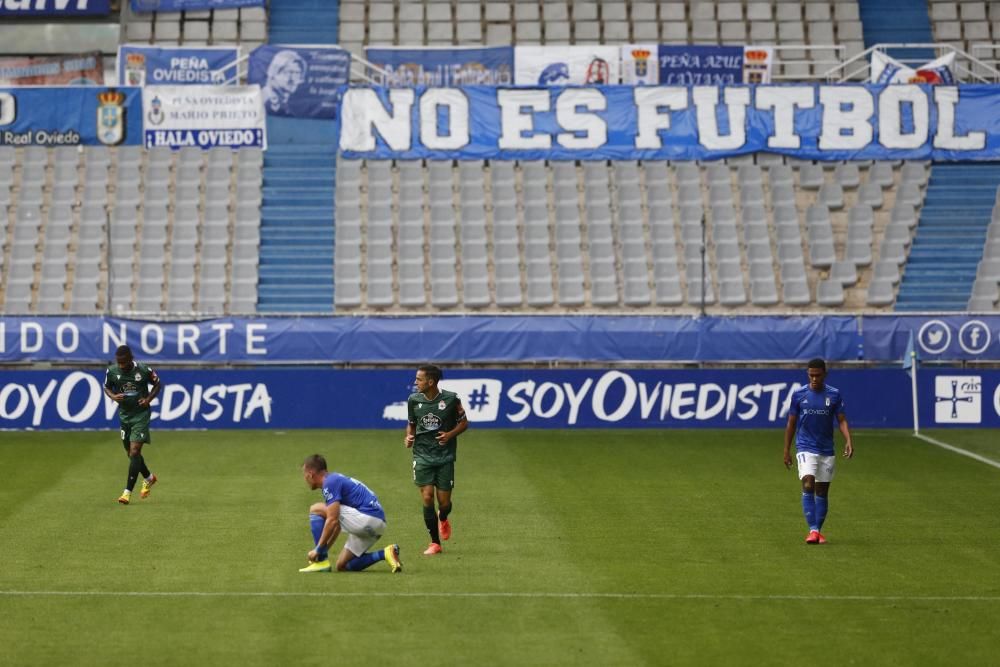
[428,419]
[134,384]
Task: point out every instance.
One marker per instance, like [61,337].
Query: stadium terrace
[662,121]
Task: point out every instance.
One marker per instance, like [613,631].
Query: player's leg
[808,464]
[140,433]
[423,477]
[126,433]
[317,517]
[824,475]
[444,482]
[363,532]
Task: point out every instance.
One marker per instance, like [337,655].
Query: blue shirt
[817,415]
[351,493]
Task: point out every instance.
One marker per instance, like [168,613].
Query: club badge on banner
[300,82]
[79,70]
[566,65]
[55,8]
[70,116]
[445,66]
[203,116]
[179,65]
[885,69]
[143,6]
[639,64]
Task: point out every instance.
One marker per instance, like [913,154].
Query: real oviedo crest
[111,117]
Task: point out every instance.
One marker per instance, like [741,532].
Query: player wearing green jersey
[435,420]
[127,383]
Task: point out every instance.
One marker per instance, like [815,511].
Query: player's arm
[154,380]
[789,436]
[117,398]
[331,529]
[845,430]
[462,423]
[411,425]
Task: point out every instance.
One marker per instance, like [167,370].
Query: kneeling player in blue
[811,416]
[351,507]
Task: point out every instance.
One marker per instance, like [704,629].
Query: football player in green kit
[435,420]
[127,383]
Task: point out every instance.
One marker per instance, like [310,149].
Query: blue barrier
[275,398]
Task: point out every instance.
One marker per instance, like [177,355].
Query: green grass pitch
[569,548]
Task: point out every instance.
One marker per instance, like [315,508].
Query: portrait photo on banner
[301,82]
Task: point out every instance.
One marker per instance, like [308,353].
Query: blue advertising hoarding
[807,121]
[53,8]
[143,6]
[285,398]
[936,337]
[69,116]
[445,339]
[300,82]
[445,66]
[700,65]
[176,66]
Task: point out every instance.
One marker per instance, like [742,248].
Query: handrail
[840,73]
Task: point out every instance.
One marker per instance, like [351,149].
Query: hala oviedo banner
[818,122]
[203,116]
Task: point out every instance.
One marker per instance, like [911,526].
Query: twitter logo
[934,337]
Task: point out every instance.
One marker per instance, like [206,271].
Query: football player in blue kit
[349,506]
[812,414]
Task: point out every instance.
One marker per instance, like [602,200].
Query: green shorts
[440,475]
[135,429]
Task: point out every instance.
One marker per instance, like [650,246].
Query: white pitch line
[958,450]
[501,594]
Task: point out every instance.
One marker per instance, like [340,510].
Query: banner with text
[816,122]
[80,70]
[12,9]
[204,116]
[936,337]
[70,116]
[287,398]
[446,339]
[566,65]
[301,82]
[177,65]
[441,67]
[143,6]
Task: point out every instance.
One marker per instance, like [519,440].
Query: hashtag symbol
[478,398]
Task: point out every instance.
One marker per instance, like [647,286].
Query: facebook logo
[480,397]
[974,337]
[958,399]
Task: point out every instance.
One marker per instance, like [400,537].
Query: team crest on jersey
[827,401]
[441,405]
[137,377]
[430,422]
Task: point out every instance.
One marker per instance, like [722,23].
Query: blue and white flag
[203,116]
[176,65]
[300,82]
[700,65]
[445,66]
[885,70]
[188,5]
[910,356]
[70,116]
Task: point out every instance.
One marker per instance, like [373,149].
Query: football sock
[809,509]
[133,472]
[431,521]
[365,560]
[316,523]
[444,511]
[822,504]
[143,470]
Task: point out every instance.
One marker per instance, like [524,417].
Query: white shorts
[362,530]
[817,465]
